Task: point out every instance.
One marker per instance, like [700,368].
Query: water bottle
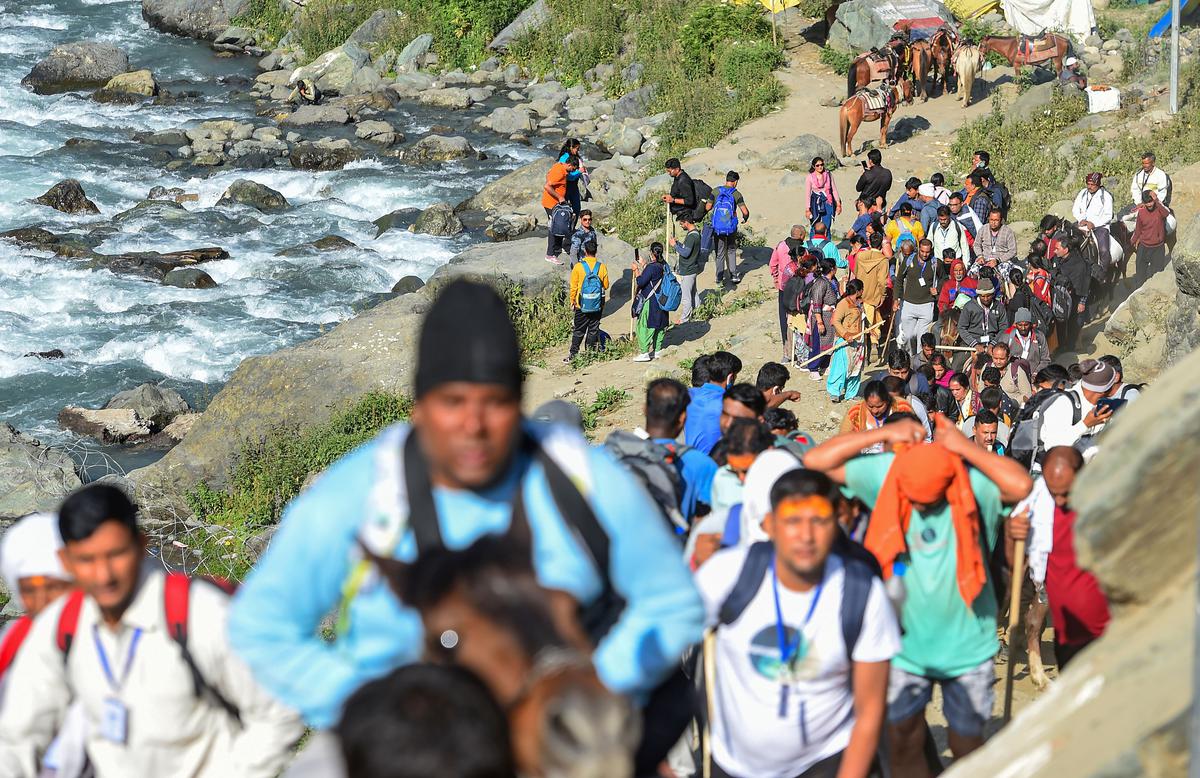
[895,587]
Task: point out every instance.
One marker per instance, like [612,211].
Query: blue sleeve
[649,276]
[698,472]
[663,612]
[682,249]
[275,617]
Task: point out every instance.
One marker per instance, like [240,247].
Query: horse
[482,608]
[888,63]
[922,58]
[1048,48]
[941,50]
[869,106]
[968,64]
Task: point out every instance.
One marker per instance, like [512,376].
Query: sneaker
[736,278]
[814,375]
[567,359]
[643,358]
[553,260]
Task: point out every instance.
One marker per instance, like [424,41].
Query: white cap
[1069,61]
[30,548]
[927,190]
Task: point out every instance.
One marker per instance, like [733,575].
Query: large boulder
[439,220]
[511,191]
[189,278]
[635,104]
[154,405]
[333,70]
[864,24]
[256,195]
[323,155]
[73,66]
[377,27]
[797,154]
[378,132]
[410,85]
[1033,103]
[33,476]
[510,226]
[311,115]
[67,196]
[410,58]
[400,219]
[1123,707]
[440,148]
[154,265]
[507,121]
[204,19]
[119,425]
[450,98]
[621,140]
[131,87]
[537,14]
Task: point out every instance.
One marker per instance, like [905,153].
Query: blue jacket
[702,429]
[274,621]
[915,202]
[648,287]
[697,470]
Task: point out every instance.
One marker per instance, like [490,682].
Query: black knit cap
[468,336]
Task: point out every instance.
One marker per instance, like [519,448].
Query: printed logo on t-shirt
[803,664]
[929,540]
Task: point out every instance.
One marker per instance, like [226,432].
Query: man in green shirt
[691,262]
[946,640]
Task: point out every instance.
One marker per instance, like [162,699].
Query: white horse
[968,64]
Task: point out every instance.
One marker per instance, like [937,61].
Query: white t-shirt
[1057,429]
[750,739]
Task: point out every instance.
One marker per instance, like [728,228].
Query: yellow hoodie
[579,272]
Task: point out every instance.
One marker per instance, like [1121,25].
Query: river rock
[332,71]
[152,264]
[408,285]
[131,87]
[364,81]
[108,426]
[409,85]
[452,98]
[323,155]
[171,138]
[378,132]
[439,148]
[67,196]
[510,192]
[797,154]
[510,226]
[204,19]
[377,27]
[635,104]
[152,404]
[326,243]
[410,58]
[507,121]
[439,220]
[311,115]
[55,353]
[246,192]
[189,278]
[620,139]
[33,475]
[73,66]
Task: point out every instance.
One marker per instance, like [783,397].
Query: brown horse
[1028,51]
[941,49]
[870,106]
[482,608]
[922,60]
[888,63]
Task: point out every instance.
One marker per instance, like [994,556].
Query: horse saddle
[877,100]
[881,64]
[1031,45]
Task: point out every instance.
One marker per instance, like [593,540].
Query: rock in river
[132,87]
[308,115]
[67,196]
[189,278]
[378,132]
[153,265]
[74,66]
[408,285]
[204,19]
[120,425]
[438,219]
[323,155]
[439,148]
[152,404]
[255,195]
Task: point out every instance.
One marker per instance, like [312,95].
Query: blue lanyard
[786,648]
[133,643]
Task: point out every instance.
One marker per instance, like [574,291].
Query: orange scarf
[926,474]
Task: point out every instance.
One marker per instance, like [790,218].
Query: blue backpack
[906,235]
[591,293]
[670,293]
[724,219]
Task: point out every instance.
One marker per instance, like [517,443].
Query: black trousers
[1150,260]
[783,316]
[826,768]
[554,243]
[584,330]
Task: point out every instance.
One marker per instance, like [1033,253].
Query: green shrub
[836,60]
[607,399]
[711,27]
[542,320]
[748,62]
[542,49]
[268,20]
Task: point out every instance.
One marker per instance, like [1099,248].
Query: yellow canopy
[972,9]
[774,6]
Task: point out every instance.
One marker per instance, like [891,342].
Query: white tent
[1033,17]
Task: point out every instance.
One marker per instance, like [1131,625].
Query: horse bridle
[548,662]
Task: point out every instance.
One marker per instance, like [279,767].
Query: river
[119,331]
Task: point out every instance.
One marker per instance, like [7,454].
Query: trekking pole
[709,659]
[832,349]
[1014,612]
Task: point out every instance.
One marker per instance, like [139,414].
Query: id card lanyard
[115,721]
[788,648]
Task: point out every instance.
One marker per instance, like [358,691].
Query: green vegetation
[270,471]
[542,320]
[836,60]
[268,18]
[714,304]
[617,348]
[608,398]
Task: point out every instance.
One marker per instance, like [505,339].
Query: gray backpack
[657,466]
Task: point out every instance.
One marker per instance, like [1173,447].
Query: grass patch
[269,472]
[542,320]
[608,399]
[267,18]
[716,304]
[617,348]
[836,60]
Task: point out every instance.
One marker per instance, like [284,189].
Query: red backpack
[177,588]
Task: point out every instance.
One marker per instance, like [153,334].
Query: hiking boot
[553,260]
[643,358]
[736,279]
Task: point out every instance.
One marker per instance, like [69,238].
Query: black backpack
[704,193]
[1025,442]
[797,294]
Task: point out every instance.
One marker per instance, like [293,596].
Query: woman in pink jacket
[784,263]
[821,194]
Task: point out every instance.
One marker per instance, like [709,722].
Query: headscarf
[756,495]
[926,474]
[30,548]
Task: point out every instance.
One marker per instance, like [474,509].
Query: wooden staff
[954,348]
[1014,612]
[895,302]
[709,657]
[832,349]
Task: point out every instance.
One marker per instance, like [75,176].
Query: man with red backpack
[145,654]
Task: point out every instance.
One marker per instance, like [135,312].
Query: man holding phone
[1081,410]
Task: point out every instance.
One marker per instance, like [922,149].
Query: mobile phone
[1112,403]
[637,256]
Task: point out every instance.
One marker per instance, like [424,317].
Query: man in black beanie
[455,474]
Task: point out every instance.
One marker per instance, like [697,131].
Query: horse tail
[843,127]
[852,79]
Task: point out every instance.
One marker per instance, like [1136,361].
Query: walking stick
[832,349]
[709,660]
[895,306]
[1014,612]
